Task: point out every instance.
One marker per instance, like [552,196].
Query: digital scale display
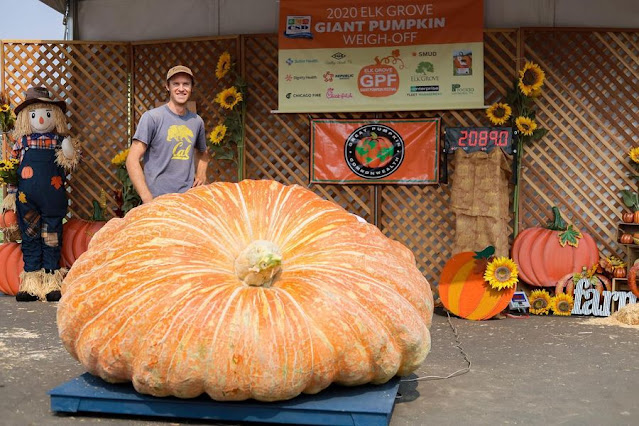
[472,139]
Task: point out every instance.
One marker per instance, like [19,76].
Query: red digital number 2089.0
[482,137]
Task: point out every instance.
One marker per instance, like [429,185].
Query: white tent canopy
[166,19]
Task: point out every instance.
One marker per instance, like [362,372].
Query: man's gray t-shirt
[169,164]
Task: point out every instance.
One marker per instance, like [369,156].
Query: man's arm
[201,164]
[136,173]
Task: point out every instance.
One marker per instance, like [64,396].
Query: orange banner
[313,24]
[375,151]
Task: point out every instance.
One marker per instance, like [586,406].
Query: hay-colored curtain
[480,200]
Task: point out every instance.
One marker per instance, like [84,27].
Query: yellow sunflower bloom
[223,65]
[120,157]
[499,113]
[501,273]
[634,154]
[217,134]
[22,197]
[526,125]
[228,98]
[4,108]
[531,78]
[562,304]
[539,302]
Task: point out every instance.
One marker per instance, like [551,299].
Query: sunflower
[120,157]
[499,113]
[223,65]
[228,98]
[217,135]
[4,108]
[634,154]
[526,125]
[562,304]
[539,302]
[531,78]
[501,273]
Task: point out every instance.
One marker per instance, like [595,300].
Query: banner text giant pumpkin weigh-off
[380,55]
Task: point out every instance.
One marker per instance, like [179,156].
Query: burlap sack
[479,184]
[480,200]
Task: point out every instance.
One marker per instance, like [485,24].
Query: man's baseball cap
[179,69]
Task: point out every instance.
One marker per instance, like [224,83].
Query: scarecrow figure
[44,152]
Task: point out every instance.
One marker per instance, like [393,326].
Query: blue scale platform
[367,405]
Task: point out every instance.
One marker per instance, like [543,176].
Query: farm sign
[380,55]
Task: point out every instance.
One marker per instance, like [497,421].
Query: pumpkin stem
[568,234]
[485,253]
[558,223]
[259,263]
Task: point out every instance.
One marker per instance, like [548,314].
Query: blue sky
[44,23]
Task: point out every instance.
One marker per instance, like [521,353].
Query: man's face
[180,86]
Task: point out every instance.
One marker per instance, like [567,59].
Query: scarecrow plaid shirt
[32,141]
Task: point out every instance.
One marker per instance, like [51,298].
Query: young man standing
[171,141]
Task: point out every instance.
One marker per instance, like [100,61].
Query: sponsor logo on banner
[302,77]
[332,94]
[291,95]
[459,90]
[381,78]
[424,88]
[298,27]
[374,151]
[291,61]
[463,62]
[338,56]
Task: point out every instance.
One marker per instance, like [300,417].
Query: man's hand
[201,163]
[133,167]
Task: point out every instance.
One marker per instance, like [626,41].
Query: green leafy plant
[127,198]
[630,199]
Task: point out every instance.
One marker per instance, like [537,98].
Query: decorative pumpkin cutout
[27,172]
[567,283]
[464,291]
[545,255]
[11,265]
[249,290]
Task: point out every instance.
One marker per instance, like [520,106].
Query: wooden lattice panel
[277,145]
[151,61]
[420,216]
[93,79]
[591,109]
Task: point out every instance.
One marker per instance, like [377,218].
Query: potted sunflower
[518,111]
[127,197]
[226,141]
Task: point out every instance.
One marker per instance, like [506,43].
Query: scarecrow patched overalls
[41,202]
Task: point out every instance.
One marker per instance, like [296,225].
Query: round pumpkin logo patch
[374,151]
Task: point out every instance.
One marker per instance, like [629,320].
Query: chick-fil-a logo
[331,94]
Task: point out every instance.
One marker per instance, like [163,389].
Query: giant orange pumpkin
[465,293]
[250,290]
[11,265]
[546,254]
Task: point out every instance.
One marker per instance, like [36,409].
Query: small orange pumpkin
[628,217]
[632,279]
[465,293]
[636,218]
[244,290]
[619,272]
[27,172]
[8,220]
[546,254]
[11,265]
[626,238]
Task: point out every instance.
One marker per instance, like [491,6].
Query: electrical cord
[451,375]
